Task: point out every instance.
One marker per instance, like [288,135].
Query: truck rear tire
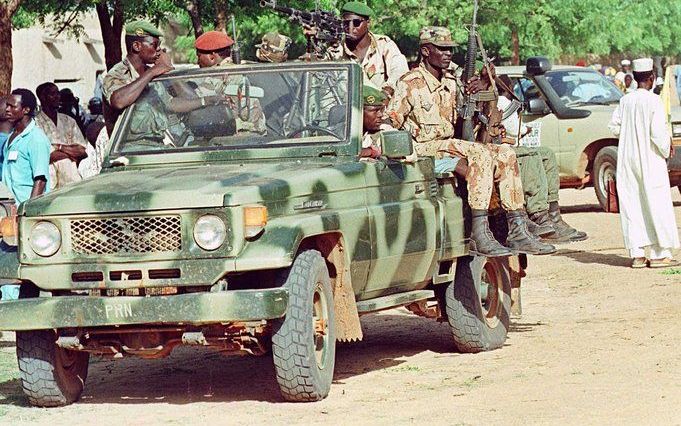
[605,168]
[478,303]
[50,376]
[304,341]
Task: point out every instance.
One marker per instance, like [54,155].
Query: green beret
[358,8]
[142,29]
[371,96]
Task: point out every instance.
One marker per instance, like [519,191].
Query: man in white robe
[645,202]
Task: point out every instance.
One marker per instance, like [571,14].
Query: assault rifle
[470,110]
[328,26]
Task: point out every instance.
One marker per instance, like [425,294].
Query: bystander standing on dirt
[647,213]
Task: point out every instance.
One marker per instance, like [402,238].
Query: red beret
[212,41]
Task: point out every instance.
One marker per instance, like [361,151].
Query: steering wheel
[311,127]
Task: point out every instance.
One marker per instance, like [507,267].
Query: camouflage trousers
[539,174]
[488,164]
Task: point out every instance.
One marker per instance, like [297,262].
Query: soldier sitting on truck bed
[538,171]
[425,105]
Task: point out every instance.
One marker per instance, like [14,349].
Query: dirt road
[597,343]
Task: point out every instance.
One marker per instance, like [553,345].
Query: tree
[7,10]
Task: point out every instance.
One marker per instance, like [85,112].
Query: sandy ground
[598,343]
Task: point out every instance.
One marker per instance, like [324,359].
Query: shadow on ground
[195,375]
[594,257]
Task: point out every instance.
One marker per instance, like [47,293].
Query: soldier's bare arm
[126,95]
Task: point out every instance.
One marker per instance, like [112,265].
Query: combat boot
[539,224]
[564,232]
[483,242]
[519,238]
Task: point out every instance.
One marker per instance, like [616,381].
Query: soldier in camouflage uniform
[274,48]
[381,60]
[213,49]
[424,104]
[125,82]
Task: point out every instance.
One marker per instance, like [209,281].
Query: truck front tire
[605,168]
[50,376]
[304,341]
[478,303]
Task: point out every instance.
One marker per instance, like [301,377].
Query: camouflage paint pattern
[394,223]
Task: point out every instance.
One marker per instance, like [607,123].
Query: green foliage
[547,27]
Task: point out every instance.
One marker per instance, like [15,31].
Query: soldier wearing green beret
[381,60]
[127,80]
[373,106]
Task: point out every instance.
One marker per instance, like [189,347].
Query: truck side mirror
[537,65]
[538,106]
[396,144]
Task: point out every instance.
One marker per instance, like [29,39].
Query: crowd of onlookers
[47,141]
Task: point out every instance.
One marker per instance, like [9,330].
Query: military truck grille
[126,235]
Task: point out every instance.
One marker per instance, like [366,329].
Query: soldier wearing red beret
[213,48]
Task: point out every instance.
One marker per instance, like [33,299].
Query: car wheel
[50,376]
[604,169]
[478,303]
[304,341]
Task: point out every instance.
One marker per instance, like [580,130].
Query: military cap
[439,36]
[212,41]
[371,96]
[275,42]
[142,29]
[358,8]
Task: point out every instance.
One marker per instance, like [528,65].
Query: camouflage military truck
[201,231]
[569,109]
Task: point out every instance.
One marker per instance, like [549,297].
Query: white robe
[645,199]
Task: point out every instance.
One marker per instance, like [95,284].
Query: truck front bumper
[197,308]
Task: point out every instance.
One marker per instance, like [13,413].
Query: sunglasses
[356,22]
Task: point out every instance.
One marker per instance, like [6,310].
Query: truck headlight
[210,232]
[676,129]
[45,239]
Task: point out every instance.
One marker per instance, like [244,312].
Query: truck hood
[175,188]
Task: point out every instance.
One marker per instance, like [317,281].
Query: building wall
[40,57]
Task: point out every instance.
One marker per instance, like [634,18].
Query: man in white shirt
[68,143]
[645,202]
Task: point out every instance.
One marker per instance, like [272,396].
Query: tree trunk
[221,15]
[194,11]
[5,52]
[7,9]
[111,31]
[515,41]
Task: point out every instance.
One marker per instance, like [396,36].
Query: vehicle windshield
[237,110]
[581,87]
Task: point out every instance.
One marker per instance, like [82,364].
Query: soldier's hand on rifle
[309,31]
[475,85]
[162,64]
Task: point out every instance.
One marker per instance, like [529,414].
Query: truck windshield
[580,87]
[227,110]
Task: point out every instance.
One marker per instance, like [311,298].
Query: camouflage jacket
[120,75]
[383,63]
[425,107]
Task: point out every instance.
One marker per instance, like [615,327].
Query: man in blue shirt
[25,166]
[677,75]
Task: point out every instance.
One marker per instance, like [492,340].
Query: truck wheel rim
[492,303]
[606,172]
[320,321]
